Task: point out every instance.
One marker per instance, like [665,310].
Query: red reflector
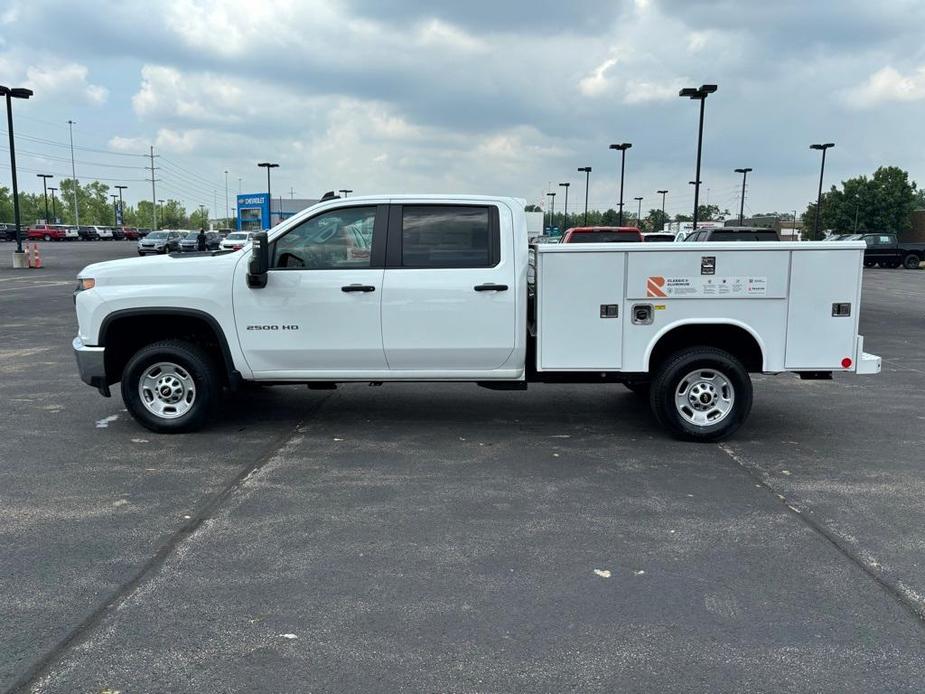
[846,363]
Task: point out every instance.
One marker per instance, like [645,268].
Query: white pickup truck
[447,288]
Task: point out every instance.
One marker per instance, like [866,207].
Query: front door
[319,314]
[449,293]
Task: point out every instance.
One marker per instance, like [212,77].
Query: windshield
[604,237]
[237,236]
[157,235]
[191,236]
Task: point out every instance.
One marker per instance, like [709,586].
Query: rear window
[445,236]
[604,237]
[768,235]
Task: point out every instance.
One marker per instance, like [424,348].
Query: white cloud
[598,81]
[886,85]
[63,81]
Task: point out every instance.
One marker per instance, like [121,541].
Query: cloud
[67,80]
[888,85]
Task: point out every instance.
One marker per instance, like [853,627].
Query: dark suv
[190,242]
[88,233]
[734,234]
[8,232]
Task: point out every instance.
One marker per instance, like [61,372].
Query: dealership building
[256,211]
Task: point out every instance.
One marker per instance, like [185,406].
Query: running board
[502,385]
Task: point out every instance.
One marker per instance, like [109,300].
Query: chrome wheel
[167,390]
[704,397]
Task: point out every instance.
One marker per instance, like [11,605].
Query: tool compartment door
[818,279]
[578,294]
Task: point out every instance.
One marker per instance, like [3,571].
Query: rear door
[449,291]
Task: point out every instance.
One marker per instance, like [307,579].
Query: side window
[449,236]
[884,240]
[339,239]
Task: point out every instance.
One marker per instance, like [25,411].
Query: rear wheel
[46,237]
[911,262]
[701,394]
[171,386]
[869,263]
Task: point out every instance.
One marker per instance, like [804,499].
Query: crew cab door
[319,314]
[449,291]
[881,248]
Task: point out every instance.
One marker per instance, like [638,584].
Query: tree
[655,220]
[610,218]
[199,218]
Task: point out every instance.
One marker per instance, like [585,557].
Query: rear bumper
[868,364]
[91,363]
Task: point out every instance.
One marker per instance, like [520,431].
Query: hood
[155,269]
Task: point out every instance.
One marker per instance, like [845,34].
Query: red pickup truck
[602,235]
[51,232]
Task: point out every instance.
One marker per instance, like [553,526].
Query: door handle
[358,288]
[489,287]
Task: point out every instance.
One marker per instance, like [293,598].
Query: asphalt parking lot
[448,538]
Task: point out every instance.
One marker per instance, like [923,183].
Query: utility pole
[70,127]
[153,190]
[121,204]
[744,173]
[227,217]
[291,193]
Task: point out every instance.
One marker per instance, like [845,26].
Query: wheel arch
[729,334]
[125,331]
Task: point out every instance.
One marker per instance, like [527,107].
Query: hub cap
[704,397]
[167,390]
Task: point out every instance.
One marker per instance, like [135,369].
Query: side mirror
[260,261]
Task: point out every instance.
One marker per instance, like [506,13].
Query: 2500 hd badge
[272,327]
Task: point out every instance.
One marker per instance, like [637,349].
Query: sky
[505,98]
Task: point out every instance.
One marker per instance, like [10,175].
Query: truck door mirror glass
[260,261]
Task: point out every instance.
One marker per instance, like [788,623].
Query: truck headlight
[84,283]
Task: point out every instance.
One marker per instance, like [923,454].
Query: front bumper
[91,363]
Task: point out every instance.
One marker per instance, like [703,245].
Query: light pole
[70,129]
[700,94]
[121,205]
[14,93]
[639,212]
[54,207]
[267,165]
[622,147]
[227,217]
[565,212]
[345,191]
[202,216]
[45,178]
[587,170]
[822,148]
[663,193]
[115,210]
[552,209]
[162,209]
[744,173]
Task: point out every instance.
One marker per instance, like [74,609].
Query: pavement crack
[206,510]
[907,598]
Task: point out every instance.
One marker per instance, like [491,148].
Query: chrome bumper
[91,363]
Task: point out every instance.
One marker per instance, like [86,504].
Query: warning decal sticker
[662,287]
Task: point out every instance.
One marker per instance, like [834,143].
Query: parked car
[886,250]
[8,232]
[658,236]
[734,234]
[235,240]
[142,232]
[130,233]
[103,233]
[51,232]
[190,242]
[602,235]
[87,233]
[117,233]
[158,242]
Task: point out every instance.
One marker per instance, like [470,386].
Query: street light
[587,170]
[45,178]
[121,205]
[744,173]
[663,193]
[267,165]
[565,213]
[700,94]
[622,147]
[822,148]
[345,191]
[14,93]
[552,209]
[639,212]
[54,206]
[115,210]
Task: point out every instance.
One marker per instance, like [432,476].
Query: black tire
[199,367]
[671,375]
[869,263]
[639,388]
[46,238]
[911,262]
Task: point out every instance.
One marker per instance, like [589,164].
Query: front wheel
[171,386]
[701,394]
[911,262]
